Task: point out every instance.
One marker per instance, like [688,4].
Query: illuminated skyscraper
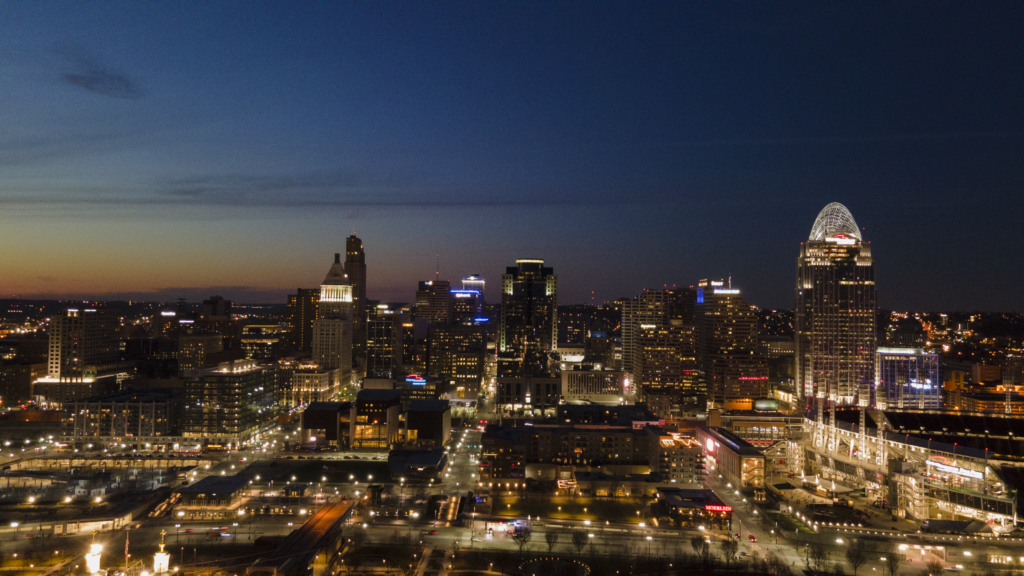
[355,268]
[529,318]
[474,282]
[84,356]
[834,320]
[467,305]
[332,329]
[455,357]
[727,344]
[666,358]
[651,308]
[80,338]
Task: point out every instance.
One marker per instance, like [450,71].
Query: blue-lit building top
[907,378]
[467,305]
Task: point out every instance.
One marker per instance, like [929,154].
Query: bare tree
[729,549]
[522,538]
[702,549]
[696,543]
[551,537]
[579,540]
[856,555]
[819,556]
[776,566]
[892,559]
[934,568]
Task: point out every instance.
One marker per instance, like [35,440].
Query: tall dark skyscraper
[727,344]
[355,268]
[300,313]
[384,341]
[434,301]
[529,318]
[653,308]
[834,321]
[467,305]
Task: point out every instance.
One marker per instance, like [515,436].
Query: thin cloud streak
[92,75]
[329,190]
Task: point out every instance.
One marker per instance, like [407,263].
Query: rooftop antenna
[437,268]
[730,282]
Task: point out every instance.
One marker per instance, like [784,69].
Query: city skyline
[694,141]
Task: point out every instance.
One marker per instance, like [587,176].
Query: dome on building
[834,220]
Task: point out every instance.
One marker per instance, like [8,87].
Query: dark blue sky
[167,149]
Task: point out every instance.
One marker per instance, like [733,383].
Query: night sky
[165,149]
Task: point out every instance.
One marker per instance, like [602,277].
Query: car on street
[752,538]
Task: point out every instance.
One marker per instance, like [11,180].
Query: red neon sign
[717,508]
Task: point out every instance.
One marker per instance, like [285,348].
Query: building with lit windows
[674,457]
[455,356]
[834,320]
[727,344]
[529,318]
[474,282]
[84,356]
[300,312]
[140,415]
[737,460]
[530,392]
[694,507]
[194,351]
[467,305]
[665,358]
[652,308]
[327,424]
[355,269]
[332,329]
[264,341]
[428,424]
[376,424]
[599,386]
[907,378]
[231,403]
[309,384]
[384,342]
[575,323]
[434,301]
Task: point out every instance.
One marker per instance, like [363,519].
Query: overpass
[312,549]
